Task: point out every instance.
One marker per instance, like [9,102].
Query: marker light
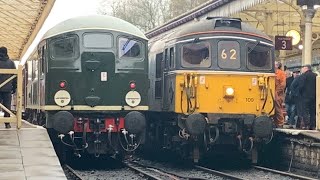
[132,85]
[229,92]
[62,84]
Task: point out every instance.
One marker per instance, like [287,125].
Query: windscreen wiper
[126,44]
[258,42]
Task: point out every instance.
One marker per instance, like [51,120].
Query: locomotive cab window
[158,80]
[129,48]
[259,57]
[65,48]
[171,58]
[229,54]
[97,40]
[196,55]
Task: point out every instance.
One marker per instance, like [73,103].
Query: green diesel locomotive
[87,82]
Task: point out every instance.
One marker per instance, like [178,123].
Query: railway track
[283,173]
[162,172]
[218,173]
[157,173]
[255,170]
[71,173]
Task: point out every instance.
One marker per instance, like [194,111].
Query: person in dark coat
[7,89]
[289,100]
[295,95]
[307,86]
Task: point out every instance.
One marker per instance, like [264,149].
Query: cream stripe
[96,108]
[218,72]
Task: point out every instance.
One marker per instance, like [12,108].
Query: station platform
[314,134]
[28,154]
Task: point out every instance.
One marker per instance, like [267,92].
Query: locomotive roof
[94,22]
[207,25]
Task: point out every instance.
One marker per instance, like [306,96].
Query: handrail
[318,103]
[17,117]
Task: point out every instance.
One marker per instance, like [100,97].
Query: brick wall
[305,159]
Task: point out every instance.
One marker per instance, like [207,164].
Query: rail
[219,173]
[14,118]
[141,171]
[72,173]
[283,173]
[156,173]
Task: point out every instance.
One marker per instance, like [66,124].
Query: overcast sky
[62,10]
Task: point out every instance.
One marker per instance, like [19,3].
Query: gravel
[102,169]
[180,169]
[112,174]
[253,174]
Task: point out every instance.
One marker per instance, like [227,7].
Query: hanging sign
[283,42]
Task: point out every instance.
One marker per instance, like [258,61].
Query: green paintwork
[94,22]
[87,83]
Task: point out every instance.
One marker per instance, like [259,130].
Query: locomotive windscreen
[97,40]
[259,57]
[196,55]
[64,48]
[129,48]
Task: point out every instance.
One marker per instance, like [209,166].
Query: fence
[14,118]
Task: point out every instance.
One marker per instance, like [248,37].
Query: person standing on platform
[289,80]
[290,99]
[279,95]
[7,89]
[307,86]
[296,95]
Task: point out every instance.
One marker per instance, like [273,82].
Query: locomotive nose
[135,122]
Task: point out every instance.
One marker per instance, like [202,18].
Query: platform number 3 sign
[283,43]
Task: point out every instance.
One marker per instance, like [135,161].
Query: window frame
[209,47]
[142,49]
[171,57]
[249,65]
[76,48]
[86,33]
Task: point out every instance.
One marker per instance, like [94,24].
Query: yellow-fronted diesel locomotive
[212,85]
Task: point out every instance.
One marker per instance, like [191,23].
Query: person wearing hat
[291,98]
[307,87]
[279,95]
[10,87]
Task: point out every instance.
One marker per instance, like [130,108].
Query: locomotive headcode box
[283,43]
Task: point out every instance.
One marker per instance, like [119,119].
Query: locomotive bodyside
[89,84]
[212,84]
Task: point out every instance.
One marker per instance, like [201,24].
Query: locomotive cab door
[167,81]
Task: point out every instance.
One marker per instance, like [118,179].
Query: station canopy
[279,16]
[274,17]
[20,21]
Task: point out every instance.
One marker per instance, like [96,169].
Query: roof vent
[226,22]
